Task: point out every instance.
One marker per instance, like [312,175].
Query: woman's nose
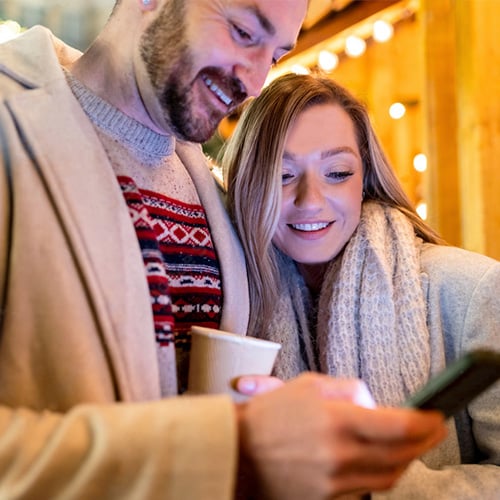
[309,195]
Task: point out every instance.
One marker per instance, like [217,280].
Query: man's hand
[307,439]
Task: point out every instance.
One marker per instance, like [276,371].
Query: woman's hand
[353,390]
[251,385]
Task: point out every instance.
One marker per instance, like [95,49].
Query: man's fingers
[347,389]
[407,425]
[385,439]
[359,483]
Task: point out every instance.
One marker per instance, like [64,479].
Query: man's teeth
[315,226]
[216,90]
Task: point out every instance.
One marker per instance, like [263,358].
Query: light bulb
[421,210]
[382,31]
[298,69]
[420,162]
[354,46]
[397,110]
[9,30]
[327,60]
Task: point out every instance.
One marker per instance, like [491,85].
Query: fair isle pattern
[181,263]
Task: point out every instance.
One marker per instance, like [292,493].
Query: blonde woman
[350,280]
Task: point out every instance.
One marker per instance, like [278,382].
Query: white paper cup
[217,357]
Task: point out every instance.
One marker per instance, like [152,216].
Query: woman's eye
[286,178]
[339,176]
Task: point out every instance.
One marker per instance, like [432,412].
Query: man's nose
[253,70]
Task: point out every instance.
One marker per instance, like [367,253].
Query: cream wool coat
[461,291]
[76,326]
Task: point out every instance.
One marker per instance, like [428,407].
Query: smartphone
[457,385]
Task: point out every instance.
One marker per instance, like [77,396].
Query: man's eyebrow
[323,154]
[266,24]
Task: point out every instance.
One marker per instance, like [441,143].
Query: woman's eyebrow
[320,154]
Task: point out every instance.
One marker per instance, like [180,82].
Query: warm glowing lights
[421,210]
[9,30]
[420,162]
[355,46]
[298,69]
[397,110]
[382,31]
[351,42]
[327,61]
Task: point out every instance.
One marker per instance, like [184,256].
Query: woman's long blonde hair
[252,162]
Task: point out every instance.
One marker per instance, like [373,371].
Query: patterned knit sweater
[180,261]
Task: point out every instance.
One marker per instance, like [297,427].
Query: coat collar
[235,310]
[34,58]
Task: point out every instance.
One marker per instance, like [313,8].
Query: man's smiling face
[205,57]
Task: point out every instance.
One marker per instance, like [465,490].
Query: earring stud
[146,2]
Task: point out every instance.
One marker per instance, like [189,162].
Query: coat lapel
[231,259]
[86,198]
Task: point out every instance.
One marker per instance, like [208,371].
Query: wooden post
[478,104]
[462,109]
[440,118]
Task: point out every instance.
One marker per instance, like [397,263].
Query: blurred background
[428,71]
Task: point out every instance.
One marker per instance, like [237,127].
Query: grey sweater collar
[146,144]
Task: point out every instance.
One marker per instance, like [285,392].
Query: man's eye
[279,56]
[242,34]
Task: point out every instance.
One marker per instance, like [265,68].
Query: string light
[420,162]
[421,210]
[327,60]
[397,110]
[9,30]
[382,31]
[354,46]
[352,41]
[298,69]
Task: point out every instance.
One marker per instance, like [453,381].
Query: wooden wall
[444,63]
[387,73]
[463,119]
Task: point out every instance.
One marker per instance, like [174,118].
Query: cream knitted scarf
[371,320]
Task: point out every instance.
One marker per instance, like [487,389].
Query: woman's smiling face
[322,179]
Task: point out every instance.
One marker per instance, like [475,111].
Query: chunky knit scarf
[371,319]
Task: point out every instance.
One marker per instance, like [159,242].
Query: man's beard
[176,101]
[168,61]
